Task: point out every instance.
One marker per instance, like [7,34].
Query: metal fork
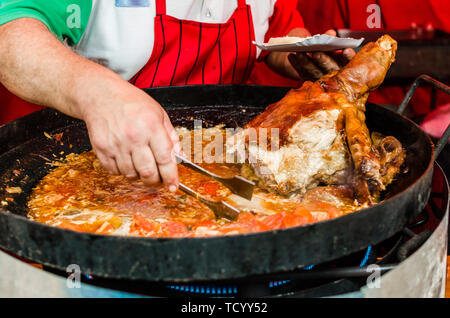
[221,209]
[237,185]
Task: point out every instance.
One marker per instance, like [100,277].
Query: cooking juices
[80,195]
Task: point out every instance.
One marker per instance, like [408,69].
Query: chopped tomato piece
[245,217]
[319,206]
[274,221]
[321,216]
[293,219]
[105,228]
[71,226]
[206,223]
[234,228]
[211,188]
[143,225]
[302,211]
[174,229]
[115,221]
[334,212]
[261,226]
[246,222]
[58,136]
[204,229]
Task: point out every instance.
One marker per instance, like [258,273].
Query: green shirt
[67,19]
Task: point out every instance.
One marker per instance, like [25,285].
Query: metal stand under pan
[410,264]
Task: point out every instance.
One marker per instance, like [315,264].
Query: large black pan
[23,149]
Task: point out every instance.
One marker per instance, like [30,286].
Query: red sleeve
[285,17]
[12,107]
[441,9]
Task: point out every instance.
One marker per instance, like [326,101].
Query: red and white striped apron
[189,52]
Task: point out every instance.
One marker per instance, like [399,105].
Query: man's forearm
[129,131]
[279,62]
[35,66]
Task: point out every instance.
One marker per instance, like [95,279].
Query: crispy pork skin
[312,147]
[322,133]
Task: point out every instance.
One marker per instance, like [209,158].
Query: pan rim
[380,204]
[329,239]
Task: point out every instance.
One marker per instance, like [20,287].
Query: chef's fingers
[108,163]
[332,61]
[102,149]
[305,67]
[162,148]
[173,135]
[125,165]
[338,57]
[348,54]
[145,164]
[331,32]
[342,57]
[326,63]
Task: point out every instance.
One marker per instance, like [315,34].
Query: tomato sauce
[79,195]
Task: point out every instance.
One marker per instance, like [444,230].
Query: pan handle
[439,85]
[442,142]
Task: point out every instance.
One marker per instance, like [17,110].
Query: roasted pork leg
[322,136]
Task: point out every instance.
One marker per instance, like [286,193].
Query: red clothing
[12,107]
[320,16]
[188,48]
[285,18]
[397,14]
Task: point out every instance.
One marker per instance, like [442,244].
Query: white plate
[320,42]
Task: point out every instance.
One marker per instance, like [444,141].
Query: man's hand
[132,135]
[308,66]
[315,65]
[129,131]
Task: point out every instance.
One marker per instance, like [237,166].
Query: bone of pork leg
[366,175]
[392,156]
[365,72]
[322,134]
